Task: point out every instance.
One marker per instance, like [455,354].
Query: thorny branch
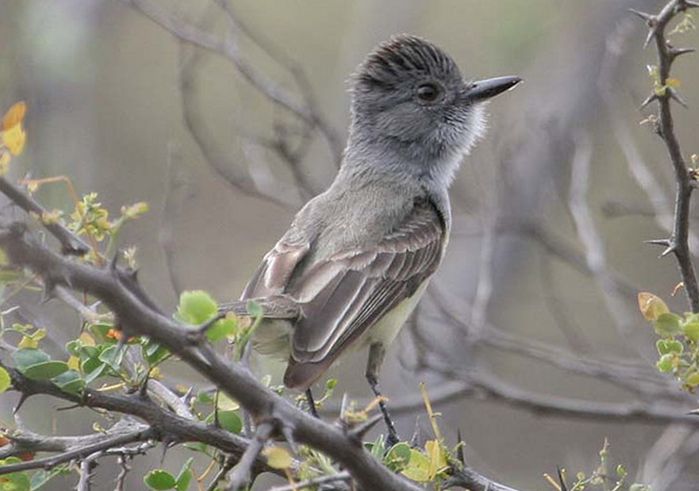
[678,242]
[138,315]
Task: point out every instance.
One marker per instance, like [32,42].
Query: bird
[357,258]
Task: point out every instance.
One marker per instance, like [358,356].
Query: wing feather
[340,297]
[373,281]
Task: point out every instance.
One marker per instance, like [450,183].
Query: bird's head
[408,92]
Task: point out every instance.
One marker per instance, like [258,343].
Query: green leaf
[666,346]
[418,468]
[70,382]
[254,309]
[45,370]
[159,479]
[665,363]
[42,477]
[197,447]
[692,380]
[112,356]
[378,447]
[185,476]
[222,329]
[5,380]
[398,457]
[196,307]
[100,331]
[230,421]
[16,481]
[668,324]
[278,457]
[155,353]
[93,368]
[27,357]
[691,330]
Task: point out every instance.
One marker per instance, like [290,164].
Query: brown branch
[678,242]
[61,458]
[132,307]
[161,421]
[70,243]
[241,472]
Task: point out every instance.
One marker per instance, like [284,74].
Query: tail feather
[302,375]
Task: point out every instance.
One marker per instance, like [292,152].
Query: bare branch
[241,472]
[70,243]
[679,239]
[317,481]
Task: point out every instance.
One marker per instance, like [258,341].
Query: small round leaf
[45,370]
[159,479]
[278,457]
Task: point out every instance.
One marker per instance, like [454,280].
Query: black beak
[485,89]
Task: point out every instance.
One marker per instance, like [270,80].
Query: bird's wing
[342,296]
[273,275]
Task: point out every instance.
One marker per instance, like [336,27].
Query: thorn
[647,18]
[694,412]
[668,250]
[343,406]
[648,100]
[115,261]
[289,437]
[415,438]
[676,96]
[659,242]
[22,398]
[649,37]
[561,479]
[675,52]
[690,4]
[48,293]
[166,446]
[360,430]
[460,451]
[185,397]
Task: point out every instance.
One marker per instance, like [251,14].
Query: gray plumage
[375,237]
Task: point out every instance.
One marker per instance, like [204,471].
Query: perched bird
[357,258]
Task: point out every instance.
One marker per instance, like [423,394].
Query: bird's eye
[428,92]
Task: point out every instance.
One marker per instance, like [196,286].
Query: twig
[175,197]
[316,481]
[70,243]
[138,314]
[678,242]
[49,462]
[161,421]
[241,472]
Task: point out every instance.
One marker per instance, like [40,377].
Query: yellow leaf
[14,116]
[14,139]
[673,82]
[28,342]
[438,461]
[418,467]
[651,306]
[86,339]
[278,457]
[4,161]
[225,403]
[74,363]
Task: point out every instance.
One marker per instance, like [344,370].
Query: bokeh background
[529,339]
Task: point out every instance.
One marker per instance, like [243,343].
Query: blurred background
[529,338]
